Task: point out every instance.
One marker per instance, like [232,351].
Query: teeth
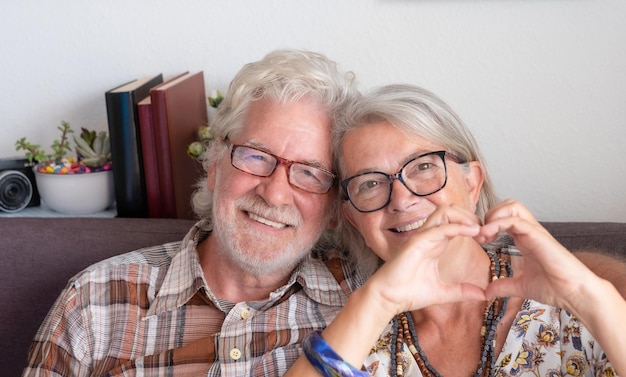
[265,221]
[412,226]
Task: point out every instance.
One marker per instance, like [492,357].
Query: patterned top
[543,342]
[151,313]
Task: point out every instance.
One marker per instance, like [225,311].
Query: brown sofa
[39,255]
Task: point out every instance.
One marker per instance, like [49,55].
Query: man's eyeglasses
[262,164]
[422,176]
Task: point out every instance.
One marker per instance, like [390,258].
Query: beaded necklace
[404,332]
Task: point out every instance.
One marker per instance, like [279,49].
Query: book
[179,109]
[126,157]
[149,156]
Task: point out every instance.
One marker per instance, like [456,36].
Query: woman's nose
[400,198]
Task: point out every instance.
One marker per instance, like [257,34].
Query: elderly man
[241,290]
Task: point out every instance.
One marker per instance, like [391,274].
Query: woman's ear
[474,180]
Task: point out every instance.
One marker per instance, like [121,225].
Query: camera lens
[15,191]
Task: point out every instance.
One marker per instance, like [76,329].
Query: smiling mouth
[409,227]
[267,222]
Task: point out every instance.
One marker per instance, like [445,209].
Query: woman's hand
[551,274]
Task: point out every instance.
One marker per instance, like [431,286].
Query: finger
[504,287]
[510,208]
[456,293]
[472,292]
[427,238]
[452,214]
[516,227]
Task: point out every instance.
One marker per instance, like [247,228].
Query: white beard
[257,252]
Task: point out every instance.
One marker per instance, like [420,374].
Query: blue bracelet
[325,360]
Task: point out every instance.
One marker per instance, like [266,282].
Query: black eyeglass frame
[282,161]
[391,177]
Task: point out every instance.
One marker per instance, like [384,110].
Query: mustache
[255,204]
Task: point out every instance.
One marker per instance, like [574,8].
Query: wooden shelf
[44,211]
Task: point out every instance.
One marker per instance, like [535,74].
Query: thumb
[463,292]
[503,287]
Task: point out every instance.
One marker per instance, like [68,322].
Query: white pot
[76,194]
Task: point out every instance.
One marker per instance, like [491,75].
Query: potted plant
[73,184]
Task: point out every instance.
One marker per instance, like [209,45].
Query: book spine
[125,156]
[150,162]
[162,142]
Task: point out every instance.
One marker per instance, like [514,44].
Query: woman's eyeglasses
[424,175]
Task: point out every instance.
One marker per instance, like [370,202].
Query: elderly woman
[448,297]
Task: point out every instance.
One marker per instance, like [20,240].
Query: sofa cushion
[39,256]
[604,237]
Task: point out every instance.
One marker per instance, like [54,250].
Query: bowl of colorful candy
[75,192]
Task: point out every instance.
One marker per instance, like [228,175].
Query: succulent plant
[93,150]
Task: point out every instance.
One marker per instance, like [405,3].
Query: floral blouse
[543,342]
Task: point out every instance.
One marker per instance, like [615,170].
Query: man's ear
[211,172]
[474,180]
[210,175]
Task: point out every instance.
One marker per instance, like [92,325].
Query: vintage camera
[18,189]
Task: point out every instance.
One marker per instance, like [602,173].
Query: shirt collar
[184,275]
[319,283]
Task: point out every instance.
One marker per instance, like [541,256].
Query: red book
[149,154]
[179,109]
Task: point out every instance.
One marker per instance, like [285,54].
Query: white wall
[542,83]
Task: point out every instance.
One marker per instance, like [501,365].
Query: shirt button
[245,313]
[235,354]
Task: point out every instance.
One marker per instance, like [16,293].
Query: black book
[126,155]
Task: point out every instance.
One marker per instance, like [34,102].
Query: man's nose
[275,188]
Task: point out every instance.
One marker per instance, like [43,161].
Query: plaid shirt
[150,313]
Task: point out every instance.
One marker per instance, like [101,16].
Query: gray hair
[414,111]
[283,75]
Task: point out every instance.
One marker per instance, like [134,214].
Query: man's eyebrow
[254,144]
[317,164]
